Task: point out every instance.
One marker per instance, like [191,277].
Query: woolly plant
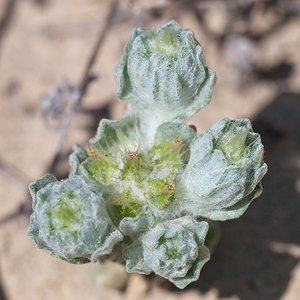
[146,190]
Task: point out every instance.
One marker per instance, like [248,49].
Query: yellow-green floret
[139,181]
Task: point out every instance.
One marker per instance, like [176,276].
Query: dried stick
[14,173]
[77,98]
[82,87]
[7,17]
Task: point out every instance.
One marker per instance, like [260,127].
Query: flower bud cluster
[147,188]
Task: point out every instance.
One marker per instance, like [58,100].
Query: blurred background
[54,88]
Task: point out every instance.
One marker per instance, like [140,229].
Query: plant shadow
[245,264]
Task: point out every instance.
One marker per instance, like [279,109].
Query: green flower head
[224,171]
[70,220]
[172,249]
[163,71]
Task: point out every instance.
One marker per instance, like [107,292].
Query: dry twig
[81,90]
[86,79]
[7,17]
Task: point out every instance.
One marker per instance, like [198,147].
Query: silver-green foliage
[144,192]
[165,68]
[173,249]
[70,219]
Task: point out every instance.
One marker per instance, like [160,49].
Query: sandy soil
[47,42]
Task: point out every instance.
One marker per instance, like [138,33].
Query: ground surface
[257,60]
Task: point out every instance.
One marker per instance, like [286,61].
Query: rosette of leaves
[163,68]
[70,220]
[148,186]
[173,249]
[133,178]
[224,171]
